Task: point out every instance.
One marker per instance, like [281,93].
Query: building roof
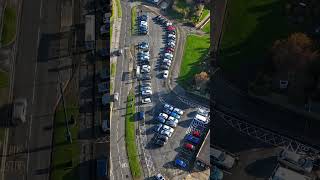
[204,151]
[287,174]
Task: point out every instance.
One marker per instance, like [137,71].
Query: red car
[196,133]
[171,28]
[169,49]
[189,146]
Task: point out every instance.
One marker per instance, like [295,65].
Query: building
[90,32]
[203,156]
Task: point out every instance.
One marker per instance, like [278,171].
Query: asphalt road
[120,164]
[34,81]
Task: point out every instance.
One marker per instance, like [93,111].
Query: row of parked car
[170,40]
[143,24]
[168,119]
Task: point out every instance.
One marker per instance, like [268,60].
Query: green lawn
[130,138]
[196,48]
[250,29]
[113,69]
[205,12]
[133,19]
[9,25]
[65,156]
[119,8]
[206,28]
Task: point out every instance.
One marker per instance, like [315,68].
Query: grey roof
[204,151]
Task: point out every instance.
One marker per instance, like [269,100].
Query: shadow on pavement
[262,168]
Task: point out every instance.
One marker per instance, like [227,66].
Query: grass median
[133,19]
[119,8]
[65,156]
[130,138]
[113,69]
[9,25]
[196,48]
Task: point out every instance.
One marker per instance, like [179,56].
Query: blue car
[180,163]
[193,139]
[160,119]
[175,115]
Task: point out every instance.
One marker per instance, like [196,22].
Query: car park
[192,139]
[172,36]
[163,115]
[146,100]
[180,163]
[146,84]
[168,106]
[143,53]
[170,118]
[145,70]
[146,93]
[171,44]
[159,177]
[166,60]
[161,119]
[221,158]
[168,55]
[159,142]
[168,63]
[175,115]
[172,123]
[168,133]
[189,146]
[172,41]
[178,111]
[165,74]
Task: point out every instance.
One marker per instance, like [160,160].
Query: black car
[143,17]
[164,67]
[167,111]
[159,142]
[146,77]
[162,137]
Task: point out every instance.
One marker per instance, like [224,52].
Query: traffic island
[130,137]
[9,26]
[133,20]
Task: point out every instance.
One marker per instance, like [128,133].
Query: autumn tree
[293,53]
[201,79]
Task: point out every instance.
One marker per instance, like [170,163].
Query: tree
[201,79]
[293,53]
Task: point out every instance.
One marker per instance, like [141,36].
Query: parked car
[161,119]
[178,111]
[144,46]
[162,137]
[143,17]
[165,74]
[166,132]
[164,67]
[189,146]
[146,93]
[168,56]
[163,115]
[192,139]
[168,24]
[295,160]
[159,142]
[158,127]
[171,123]
[167,63]
[159,177]
[116,96]
[221,158]
[180,163]
[196,133]
[145,88]
[146,100]
[141,115]
[175,115]
[168,106]
[168,49]
[167,111]
[145,77]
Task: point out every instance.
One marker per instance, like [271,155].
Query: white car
[169,24]
[160,177]
[163,115]
[146,100]
[171,36]
[145,70]
[168,106]
[145,88]
[165,74]
[203,112]
[178,111]
[168,56]
[143,23]
[175,120]
[146,84]
[146,92]
[166,60]
[171,44]
[146,67]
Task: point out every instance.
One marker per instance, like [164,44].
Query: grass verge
[9,25]
[196,48]
[65,156]
[113,69]
[206,28]
[133,19]
[119,8]
[133,157]
[204,14]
